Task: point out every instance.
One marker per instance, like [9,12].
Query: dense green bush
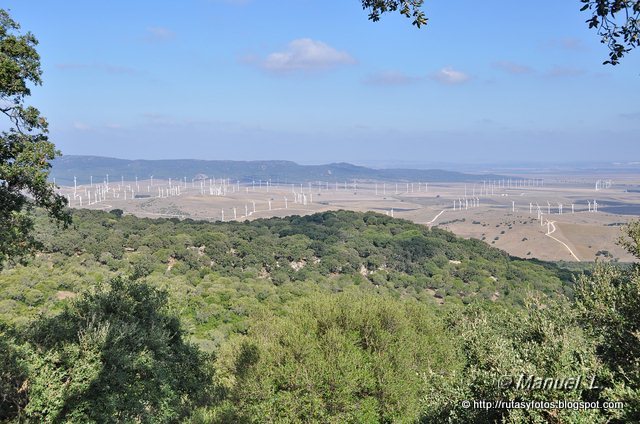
[608,303]
[336,358]
[115,354]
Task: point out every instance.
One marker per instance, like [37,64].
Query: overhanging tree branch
[616,21]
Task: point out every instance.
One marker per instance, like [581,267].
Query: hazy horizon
[417,164]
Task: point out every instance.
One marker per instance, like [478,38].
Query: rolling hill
[82,167]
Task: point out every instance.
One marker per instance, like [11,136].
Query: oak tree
[25,149]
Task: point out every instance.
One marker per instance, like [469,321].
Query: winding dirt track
[436,217]
[552,225]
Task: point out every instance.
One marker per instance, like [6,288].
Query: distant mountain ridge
[280,171]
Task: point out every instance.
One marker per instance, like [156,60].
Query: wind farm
[538,216]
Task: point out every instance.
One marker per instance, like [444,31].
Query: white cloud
[567,43]
[305,54]
[450,76]
[633,115]
[81,126]
[565,71]
[512,67]
[391,78]
[159,34]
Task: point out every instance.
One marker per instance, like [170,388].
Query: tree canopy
[332,317]
[25,150]
[115,354]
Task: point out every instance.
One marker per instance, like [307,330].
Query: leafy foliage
[25,150]
[13,374]
[617,23]
[504,347]
[609,305]
[340,358]
[408,8]
[114,354]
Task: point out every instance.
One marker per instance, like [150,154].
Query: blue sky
[315,81]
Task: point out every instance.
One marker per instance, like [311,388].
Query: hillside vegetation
[332,317]
[241,265]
